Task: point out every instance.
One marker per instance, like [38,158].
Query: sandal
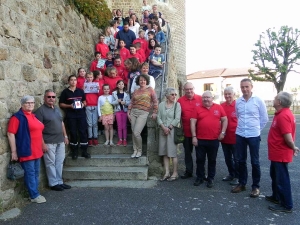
[172,178]
[165,178]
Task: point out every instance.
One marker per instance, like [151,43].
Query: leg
[95,123]
[119,124]
[89,120]
[106,130]
[82,130]
[212,152]
[254,143]
[50,164]
[31,176]
[200,159]
[274,181]
[59,161]
[241,149]
[124,125]
[72,125]
[175,166]
[227,150]
[188,150]
[167,165]
[111,132]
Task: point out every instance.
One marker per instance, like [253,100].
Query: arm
[99,106]
[116,43]
[177,118]
[224,123]
[263,114]
[154,104]
[12,143]
[115,100]
[193,123]
[65,133]
[289,141]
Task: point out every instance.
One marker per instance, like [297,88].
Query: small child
[151,35]
[141,39]
[124,52]
[91,112]
[106,114]
[121,71]
[132,65]
[134,54]
[121,100]
[140,51]
[109,62]
[99,78]
[157,62]
[112,78]
[80,78]
[98,63]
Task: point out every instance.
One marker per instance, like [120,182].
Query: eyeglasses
[51,96]
[206,96]
[189,89]
[174,94]
[29,103]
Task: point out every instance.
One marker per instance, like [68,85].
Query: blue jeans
[188,151]
[207,148]
[92,121]
[31,176]
[231,161]
[241,150]
[281,185]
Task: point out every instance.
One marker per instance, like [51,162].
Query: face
[152,42]
[207,100]
[276,102]
[246,88]
[122,44]
[28,106]
[89,78]
[150,36]
[108,30]
[145,69]
[126,27]
[157,51]
[132,50]
[119,13]
[189,90]
[172,96]
[81,73]
[98,56]
[127,66]
[101,39]
[146,13]
[117,62]
[155,26]
[109,57]
[49,98]
[149,26]
[133,17]
[142,82]
[142,35]
[73,82]
[113,73]
[154,8]
[229,96]
[99,76]
[120,85]
[131,21]
[106,90]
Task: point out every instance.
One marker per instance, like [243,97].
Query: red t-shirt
[94,67]
[138,56]
[101,83]
[103,49]
[112,82]
[80,82]
[124,53]
[91,99]
[283,123]
[208,121]
[142,53]
[188,106]
[144,43]
[35,129]
[122,72]
[230,137]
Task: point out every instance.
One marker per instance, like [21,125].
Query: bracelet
[66,136]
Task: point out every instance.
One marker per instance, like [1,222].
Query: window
[208,87]
[227,85]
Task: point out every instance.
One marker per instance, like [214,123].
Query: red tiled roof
[224,72]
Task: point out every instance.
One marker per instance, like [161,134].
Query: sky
[221,34]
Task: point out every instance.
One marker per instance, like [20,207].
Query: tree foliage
[275,55]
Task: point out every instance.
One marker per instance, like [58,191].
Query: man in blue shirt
[252,117]
[128,36]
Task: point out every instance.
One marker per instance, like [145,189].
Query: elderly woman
[25,137]
[169,113]
[142,101]
[228,142]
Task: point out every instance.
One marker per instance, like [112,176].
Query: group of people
[237,125]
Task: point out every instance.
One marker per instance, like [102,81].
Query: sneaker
[227,178]
[106,143]
[235,181]
[111,143]
[120,142]
[90,142]
[138,155]
[38,199]
[254,193]
[95,142]
[134,154]
[124,143]
[279,208]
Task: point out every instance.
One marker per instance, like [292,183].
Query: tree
[275,55]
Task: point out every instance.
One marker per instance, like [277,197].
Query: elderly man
[54,140]
[189,102]
[252,117]
[212,117]
[281,149]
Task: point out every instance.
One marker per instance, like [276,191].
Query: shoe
[106,143]
[198,181]
[74,154]
[239,188]
[164,178]
[279,208]
[227,178]
[186,175]
[170,179]
[138,154]
[271,199]
[57,188]
[38,199]
[65,186]
[254,193]
[210,184]
[120,142]
[111,143]
[90,142]
[134,154]
[235,181]
[95,142]
[85,154]
[205,178]
[124,143]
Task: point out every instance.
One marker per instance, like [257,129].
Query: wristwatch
[223,133]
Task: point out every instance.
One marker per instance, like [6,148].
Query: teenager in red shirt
[112,79]
[80,78]
[134,54]
[124,52]
[121,71]
[94,64]
[141,39]
[140,51]
[211,122]
[102,47]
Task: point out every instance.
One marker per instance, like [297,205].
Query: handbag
[178,131]
[14,170]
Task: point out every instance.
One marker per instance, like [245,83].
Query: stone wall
[41,44]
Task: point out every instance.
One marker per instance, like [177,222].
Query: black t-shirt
[68,97]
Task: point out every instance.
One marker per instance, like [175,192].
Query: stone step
[112,160]
[104,149]
[106,173]
[113,183]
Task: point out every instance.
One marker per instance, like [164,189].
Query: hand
[128,115]
[166,130]
[221,137]
[44,148]
[100,118]
[153,116]
[195,141]
[14,156]
[296,151]
[66,141]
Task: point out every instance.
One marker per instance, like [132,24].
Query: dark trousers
[188,151]
[281,185]
[78,126]
[207,148]
[231,161]
[241,148]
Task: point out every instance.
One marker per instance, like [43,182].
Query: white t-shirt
[134,86]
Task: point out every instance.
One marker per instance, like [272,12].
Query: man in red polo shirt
[189,102]
[208,126]
[281,149]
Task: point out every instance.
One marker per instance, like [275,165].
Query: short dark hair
[69,78]
[145,76]
[151,32]
[125,23]
[96,73]
[96,53]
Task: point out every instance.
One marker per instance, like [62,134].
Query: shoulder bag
[178,132]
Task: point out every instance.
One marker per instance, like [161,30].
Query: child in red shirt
[121,71]
[102,47]
[94,64]
[140,51]
[134,54]
[112,78]
[124,52]
[141,39]
[99,78]
[80,78]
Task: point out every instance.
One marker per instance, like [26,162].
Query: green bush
[96,11]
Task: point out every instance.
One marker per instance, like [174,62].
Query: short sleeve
[13,125]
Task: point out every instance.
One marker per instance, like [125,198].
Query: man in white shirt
[252,117]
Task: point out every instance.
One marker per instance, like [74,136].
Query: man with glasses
[189,102]
[54,140]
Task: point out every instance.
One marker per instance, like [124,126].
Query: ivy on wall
[96,11]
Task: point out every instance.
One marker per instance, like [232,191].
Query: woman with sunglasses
[169,114]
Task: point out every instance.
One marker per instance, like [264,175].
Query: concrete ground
[177,202]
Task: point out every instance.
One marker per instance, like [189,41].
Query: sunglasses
[51,96]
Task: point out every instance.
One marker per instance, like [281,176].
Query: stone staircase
[107,167]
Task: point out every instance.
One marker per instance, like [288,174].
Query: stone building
[43,42]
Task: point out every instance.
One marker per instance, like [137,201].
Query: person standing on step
[252,117]
[54,140]
[72,101]
[281,149]
[189,102]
